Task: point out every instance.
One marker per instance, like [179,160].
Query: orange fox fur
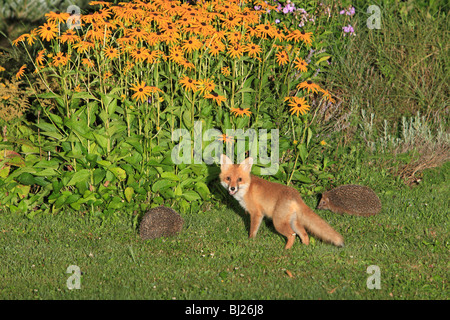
[283,204]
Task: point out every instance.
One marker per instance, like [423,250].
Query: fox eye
[239,179]
[227,178]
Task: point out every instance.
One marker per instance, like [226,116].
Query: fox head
[235,177]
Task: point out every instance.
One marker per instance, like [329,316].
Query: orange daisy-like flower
[40,57]
[216,97]
[138,34]
[216,47]
[57,17]
[206,86]
[59,59]
[241,112]
[230,22]
[327,95]
[253,50]
[31,37]
[189,84]
[21,72]
[225,71]
[176,54]
[48,31]
[111,52]
[140,54]
[282,58]
[265,30]
[309,86]
[225,138]
[297,35]
[298,105]
[87,62]
[21,38]
[83,46]
[69,36]
[236,51]
[192,44]
[142,91]
[300,65]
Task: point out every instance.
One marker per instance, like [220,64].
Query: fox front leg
[255,222]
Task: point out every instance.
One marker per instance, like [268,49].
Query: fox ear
[247,164]
[224,160]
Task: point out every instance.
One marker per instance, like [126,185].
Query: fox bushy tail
[316,225]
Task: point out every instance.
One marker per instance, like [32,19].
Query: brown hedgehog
[351,199]
[160,222]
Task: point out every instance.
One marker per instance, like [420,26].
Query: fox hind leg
[300,230]
[284,227]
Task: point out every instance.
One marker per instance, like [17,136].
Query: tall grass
[398,70]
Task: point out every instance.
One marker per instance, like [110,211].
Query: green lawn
[213,258]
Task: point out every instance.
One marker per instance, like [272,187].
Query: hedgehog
[351,199]
[160,222]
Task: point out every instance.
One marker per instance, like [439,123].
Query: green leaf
[102,141]
[191,195]
[78,176]
[202,189]
[322,59]
[48,172]
[118,172]
[129,191]
[170,175]
[303,152]
[160,185]
[83,95]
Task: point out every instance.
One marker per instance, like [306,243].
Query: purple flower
[277,21]
[348,29]
[290,7]
[351,12]
[342,12]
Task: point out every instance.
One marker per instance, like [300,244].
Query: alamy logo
[74,21]
[74,281]
[191,153]
[374,281]
[374,21]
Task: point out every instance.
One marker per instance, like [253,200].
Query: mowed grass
[213,258]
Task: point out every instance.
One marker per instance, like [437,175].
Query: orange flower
[111,52]
[192,44]
[189,84]
[300,65]
[21,72]
[308,85]
[236,50]
[20,39]
[216,97]
[206,86]
[241,112]
[297,35]
[57,17]
[48,31]
[59,59]
[142,91]
[253,50]
[140,54]
[87,62]
[265,30]
[298,105]
[69,36]
[282,58]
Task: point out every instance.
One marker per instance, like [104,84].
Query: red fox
[283,204]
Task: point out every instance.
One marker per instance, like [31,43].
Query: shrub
[120,83]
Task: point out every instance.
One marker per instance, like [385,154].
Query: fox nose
[232,188]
